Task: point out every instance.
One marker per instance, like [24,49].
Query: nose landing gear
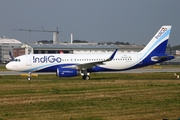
[29,76]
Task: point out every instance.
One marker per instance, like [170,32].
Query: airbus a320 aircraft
[69,65]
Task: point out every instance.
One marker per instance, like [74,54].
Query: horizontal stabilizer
[158,58]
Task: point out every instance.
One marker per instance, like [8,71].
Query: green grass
[2,68]
[107,96]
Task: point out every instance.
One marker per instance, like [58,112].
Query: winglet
[10,54]
[112,56]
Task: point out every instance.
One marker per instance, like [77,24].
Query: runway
[127,71]
[151,70]
[19,73]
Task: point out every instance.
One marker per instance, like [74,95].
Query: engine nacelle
[67,72]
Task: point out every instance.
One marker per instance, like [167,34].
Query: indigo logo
[46,59]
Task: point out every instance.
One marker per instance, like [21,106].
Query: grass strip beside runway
[106,96]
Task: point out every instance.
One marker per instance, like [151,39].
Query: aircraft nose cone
[8,66]
[11,66]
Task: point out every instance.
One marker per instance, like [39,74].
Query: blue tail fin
[10,54]
[158,43]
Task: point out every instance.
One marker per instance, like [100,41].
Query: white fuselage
[37,62]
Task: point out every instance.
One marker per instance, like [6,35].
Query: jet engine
[67,72]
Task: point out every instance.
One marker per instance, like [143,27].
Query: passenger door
[28,60]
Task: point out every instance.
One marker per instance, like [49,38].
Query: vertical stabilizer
[158,43]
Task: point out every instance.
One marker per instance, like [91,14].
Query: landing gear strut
[29,76]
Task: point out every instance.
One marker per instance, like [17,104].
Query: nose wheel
[29,78]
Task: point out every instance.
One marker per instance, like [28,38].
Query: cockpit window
[17,60]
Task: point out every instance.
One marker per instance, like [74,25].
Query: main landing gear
[85,75]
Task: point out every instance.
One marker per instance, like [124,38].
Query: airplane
[70,65]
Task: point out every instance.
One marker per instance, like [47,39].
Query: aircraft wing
[85,66]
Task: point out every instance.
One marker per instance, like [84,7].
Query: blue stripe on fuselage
[147,61]
[54,68]
[49,68]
